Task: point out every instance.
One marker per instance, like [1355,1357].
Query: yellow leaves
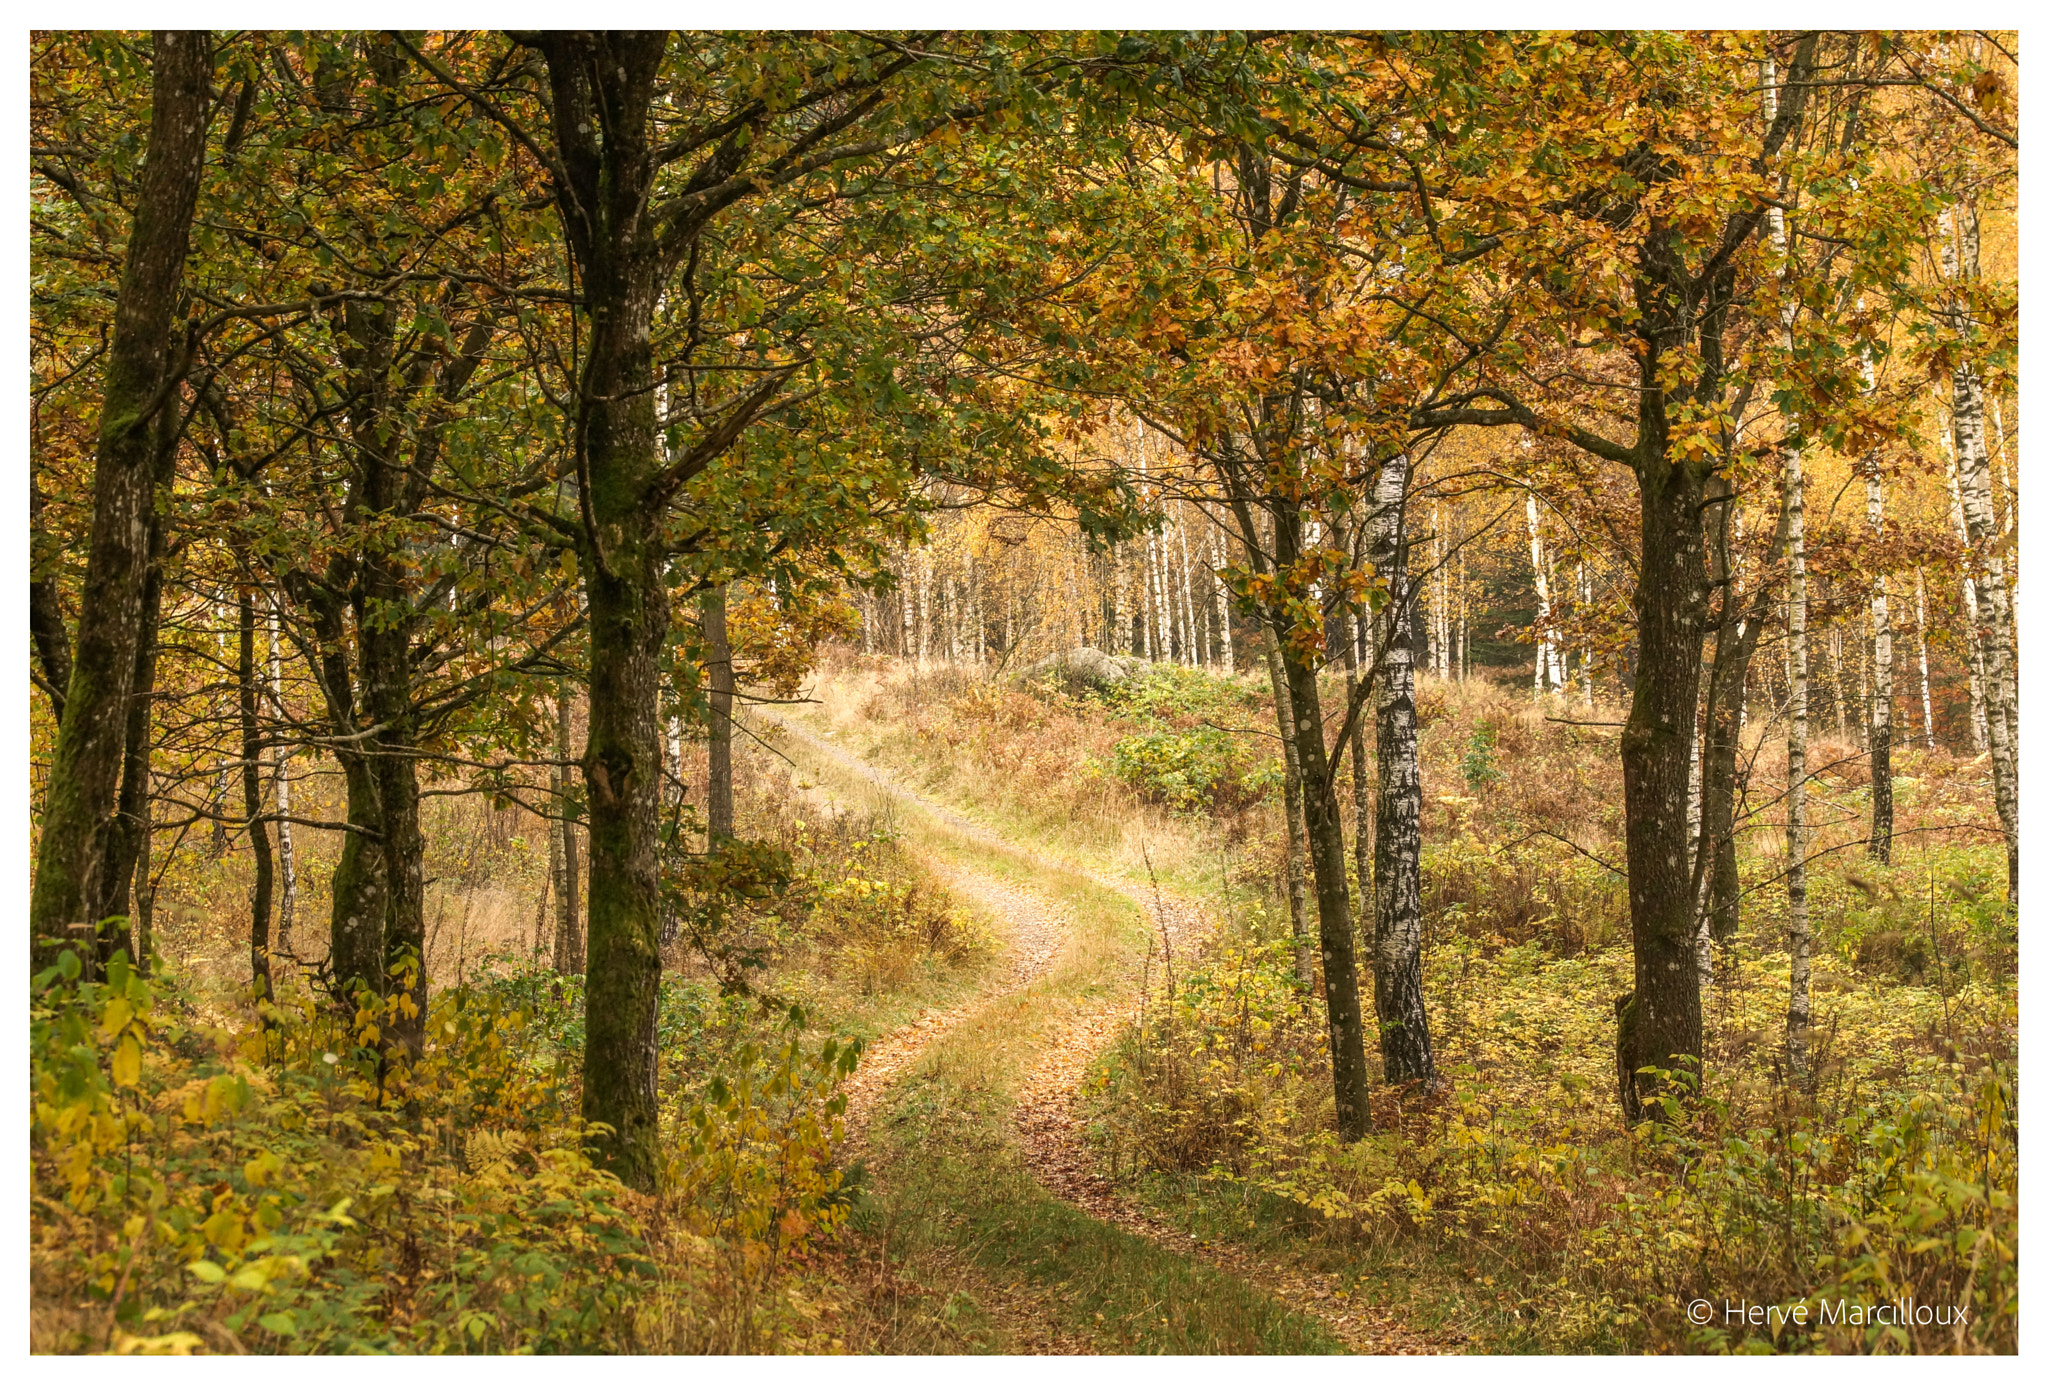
[116,1016]
[260,1170]
[127,1062]
[227,1229]
[169,1344]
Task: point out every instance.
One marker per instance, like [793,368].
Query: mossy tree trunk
[1297,834]
[602,88]
[144,364]
[568,887]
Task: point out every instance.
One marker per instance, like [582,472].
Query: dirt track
[1047,1120]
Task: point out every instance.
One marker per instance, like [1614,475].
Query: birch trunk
[1464,621]
[1223,606]
[1973,643]
[1585,650]
[1842,681]
[1397,850]
[1973,477]
[1542,581]
[1799,1007]
[287,870]
[1920,641]
[252,802]
[1880,690]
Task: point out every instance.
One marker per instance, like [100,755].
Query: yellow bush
[296,1187]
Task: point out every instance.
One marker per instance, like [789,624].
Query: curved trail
[1047,1120]
[1035,936]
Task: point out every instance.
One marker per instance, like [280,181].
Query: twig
[1159,912]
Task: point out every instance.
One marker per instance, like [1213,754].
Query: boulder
[1084,666]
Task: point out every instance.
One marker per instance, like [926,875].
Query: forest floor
[1070,1264]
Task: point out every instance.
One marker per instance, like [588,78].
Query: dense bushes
[1189,756]
[1894,1176]
[291,1186]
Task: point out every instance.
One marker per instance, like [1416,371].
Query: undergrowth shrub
[1518,890]
[296,1185]
[1186,757]
[1893,1175]
[1202,770]
[862,910]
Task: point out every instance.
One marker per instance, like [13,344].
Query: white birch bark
[1880,683]
[1187,595]
[1586,650]
[1223,602]
[1799,1006]
[1920,639]
[1973,476]
[1540,569]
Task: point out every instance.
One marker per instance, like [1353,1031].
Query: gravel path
[1047,1118]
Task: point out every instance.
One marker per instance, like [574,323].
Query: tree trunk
[47,629]
[1994,616]
[111,893]
[252,805]
[718,651]
[1659,1022]
[1880,691]
[1325,830]
[287,870]
[568,900]
[1973,645]
[1541,579]
[359,887]
[1355,634]
[1223,609]
[144,362]
[1297,836]
[405,929]
[603,87]
[1987,561]
[1920,640]
[1465,630]
[1397,856]
[1585,650]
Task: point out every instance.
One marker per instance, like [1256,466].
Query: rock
[1085,667]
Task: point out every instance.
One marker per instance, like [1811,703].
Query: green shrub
[1186,770]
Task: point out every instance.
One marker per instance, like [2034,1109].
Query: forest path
[1047,1119]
